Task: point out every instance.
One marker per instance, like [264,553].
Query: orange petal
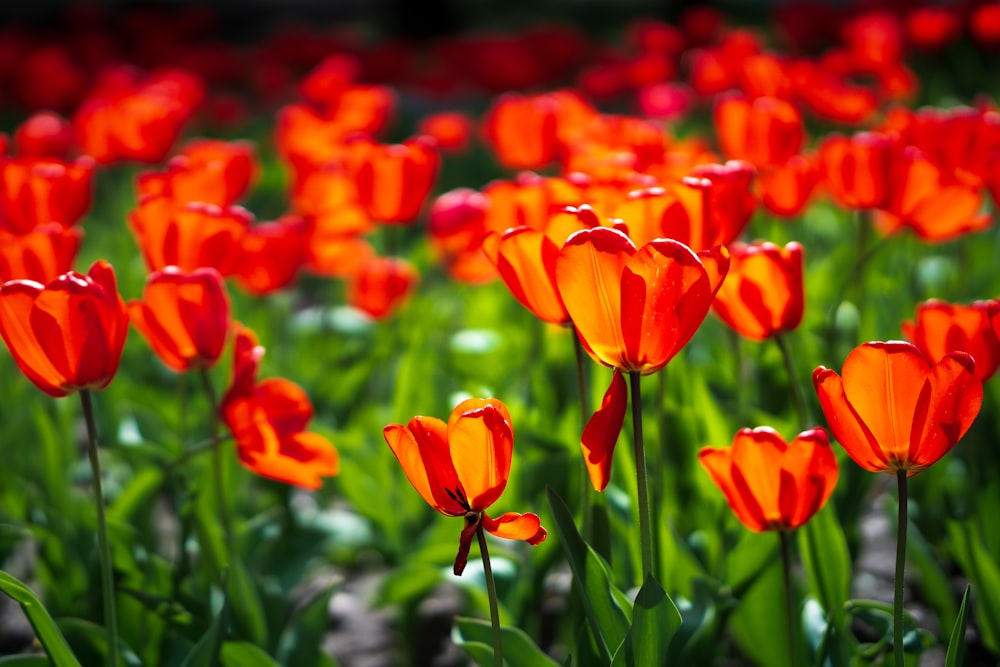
[526,260]
[588,275]
[847,427]
[600,435]
[17,299]
[481,441]
[421,447]
[514,526]
[956,395]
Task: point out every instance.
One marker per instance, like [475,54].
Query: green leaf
[655,620]
[248,611]
[826,560]
[143,485]
[207,649]
[983,574]
[956,644]
[48,633]
[245,654]
[602,601]
[24,660]
[518,647]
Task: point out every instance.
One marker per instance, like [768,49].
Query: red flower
[764,131]
[189,236]
[41,255]
[786,189]
[66,335]
[855,170]
[763,291]
[653,299]
[522,130]
[940,328]
[37,191]
[457,226]
[450,129]
[393,181]
[379,285]
[895,410]
[461,469]
[271,254]
[184,317]
[44,135]
[770,484]
[268,421]
[207,170]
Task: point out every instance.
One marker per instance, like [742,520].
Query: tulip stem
[107,571]
[581,379]
[798,398]
[218,464]
[491,591]
[786,566]
[897,607]
[642,491]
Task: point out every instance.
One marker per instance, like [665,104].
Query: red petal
[601,433]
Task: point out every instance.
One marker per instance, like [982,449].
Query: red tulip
[44,135]
[770,484]
[394,181]
[271,254]
[66,335]
[763,292]
[461,469]
[522,130]
[37,191]
[895,410]
[855,170]
[184,317]
[451,130]
[764,131]
[940,328]
[41,255]
[268,421]
[379,285]
[207,170]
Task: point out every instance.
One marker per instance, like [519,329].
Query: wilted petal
[600,435]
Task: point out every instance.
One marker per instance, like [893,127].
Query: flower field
[647,342]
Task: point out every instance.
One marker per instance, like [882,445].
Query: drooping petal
[588,275]
[600,435]
[465,543]
[514,526]
[421,447]
[481,441]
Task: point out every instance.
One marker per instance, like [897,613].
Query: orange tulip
[764,131]
[461,469]
[895,410]
[763,292]
[940,328]
[457,225]
[184,317]
[37,191]
[393,181]
[855,170]
[450,129]
[652,301]
[523,130]
[207,170]
[379,285]
[189,236]
[771,484]
[42,255]
[66,335]
[526,261]
[268,421]
[271,254]
[786,189]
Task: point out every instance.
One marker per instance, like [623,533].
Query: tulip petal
[954,397]
[526,260]
[421,447]
[600,435]
[481,440]
[465,543]
[17,300]
[588,275]
[845,423]
[514,526]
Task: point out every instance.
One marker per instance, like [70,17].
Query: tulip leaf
[207,650]
[139,489]
[983,574]
[475,636]
[956,644]
[655,620]
[48,633]
[826,560]
[24,660]
[699,616]
[245,654]
[603,603]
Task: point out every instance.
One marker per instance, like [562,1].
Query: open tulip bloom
[461,469]
[634,309]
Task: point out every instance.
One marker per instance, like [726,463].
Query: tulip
[44,135]
[210,171]
[393,181]
[940,328]
[184,317]
[764,131]
[450,129]
[268,421]
[855,170]
[68,334]
[895,410]
[37,191]
[41,255]
[379,285]
[786,189]
[271,254]
[771,484]
[461,469]
[763,293]
[523,130]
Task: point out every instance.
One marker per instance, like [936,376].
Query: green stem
[798,398]
[642,491]
[218,463]
[491,591]
[793,626]
[897,606]
[107,571]
[581,378]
